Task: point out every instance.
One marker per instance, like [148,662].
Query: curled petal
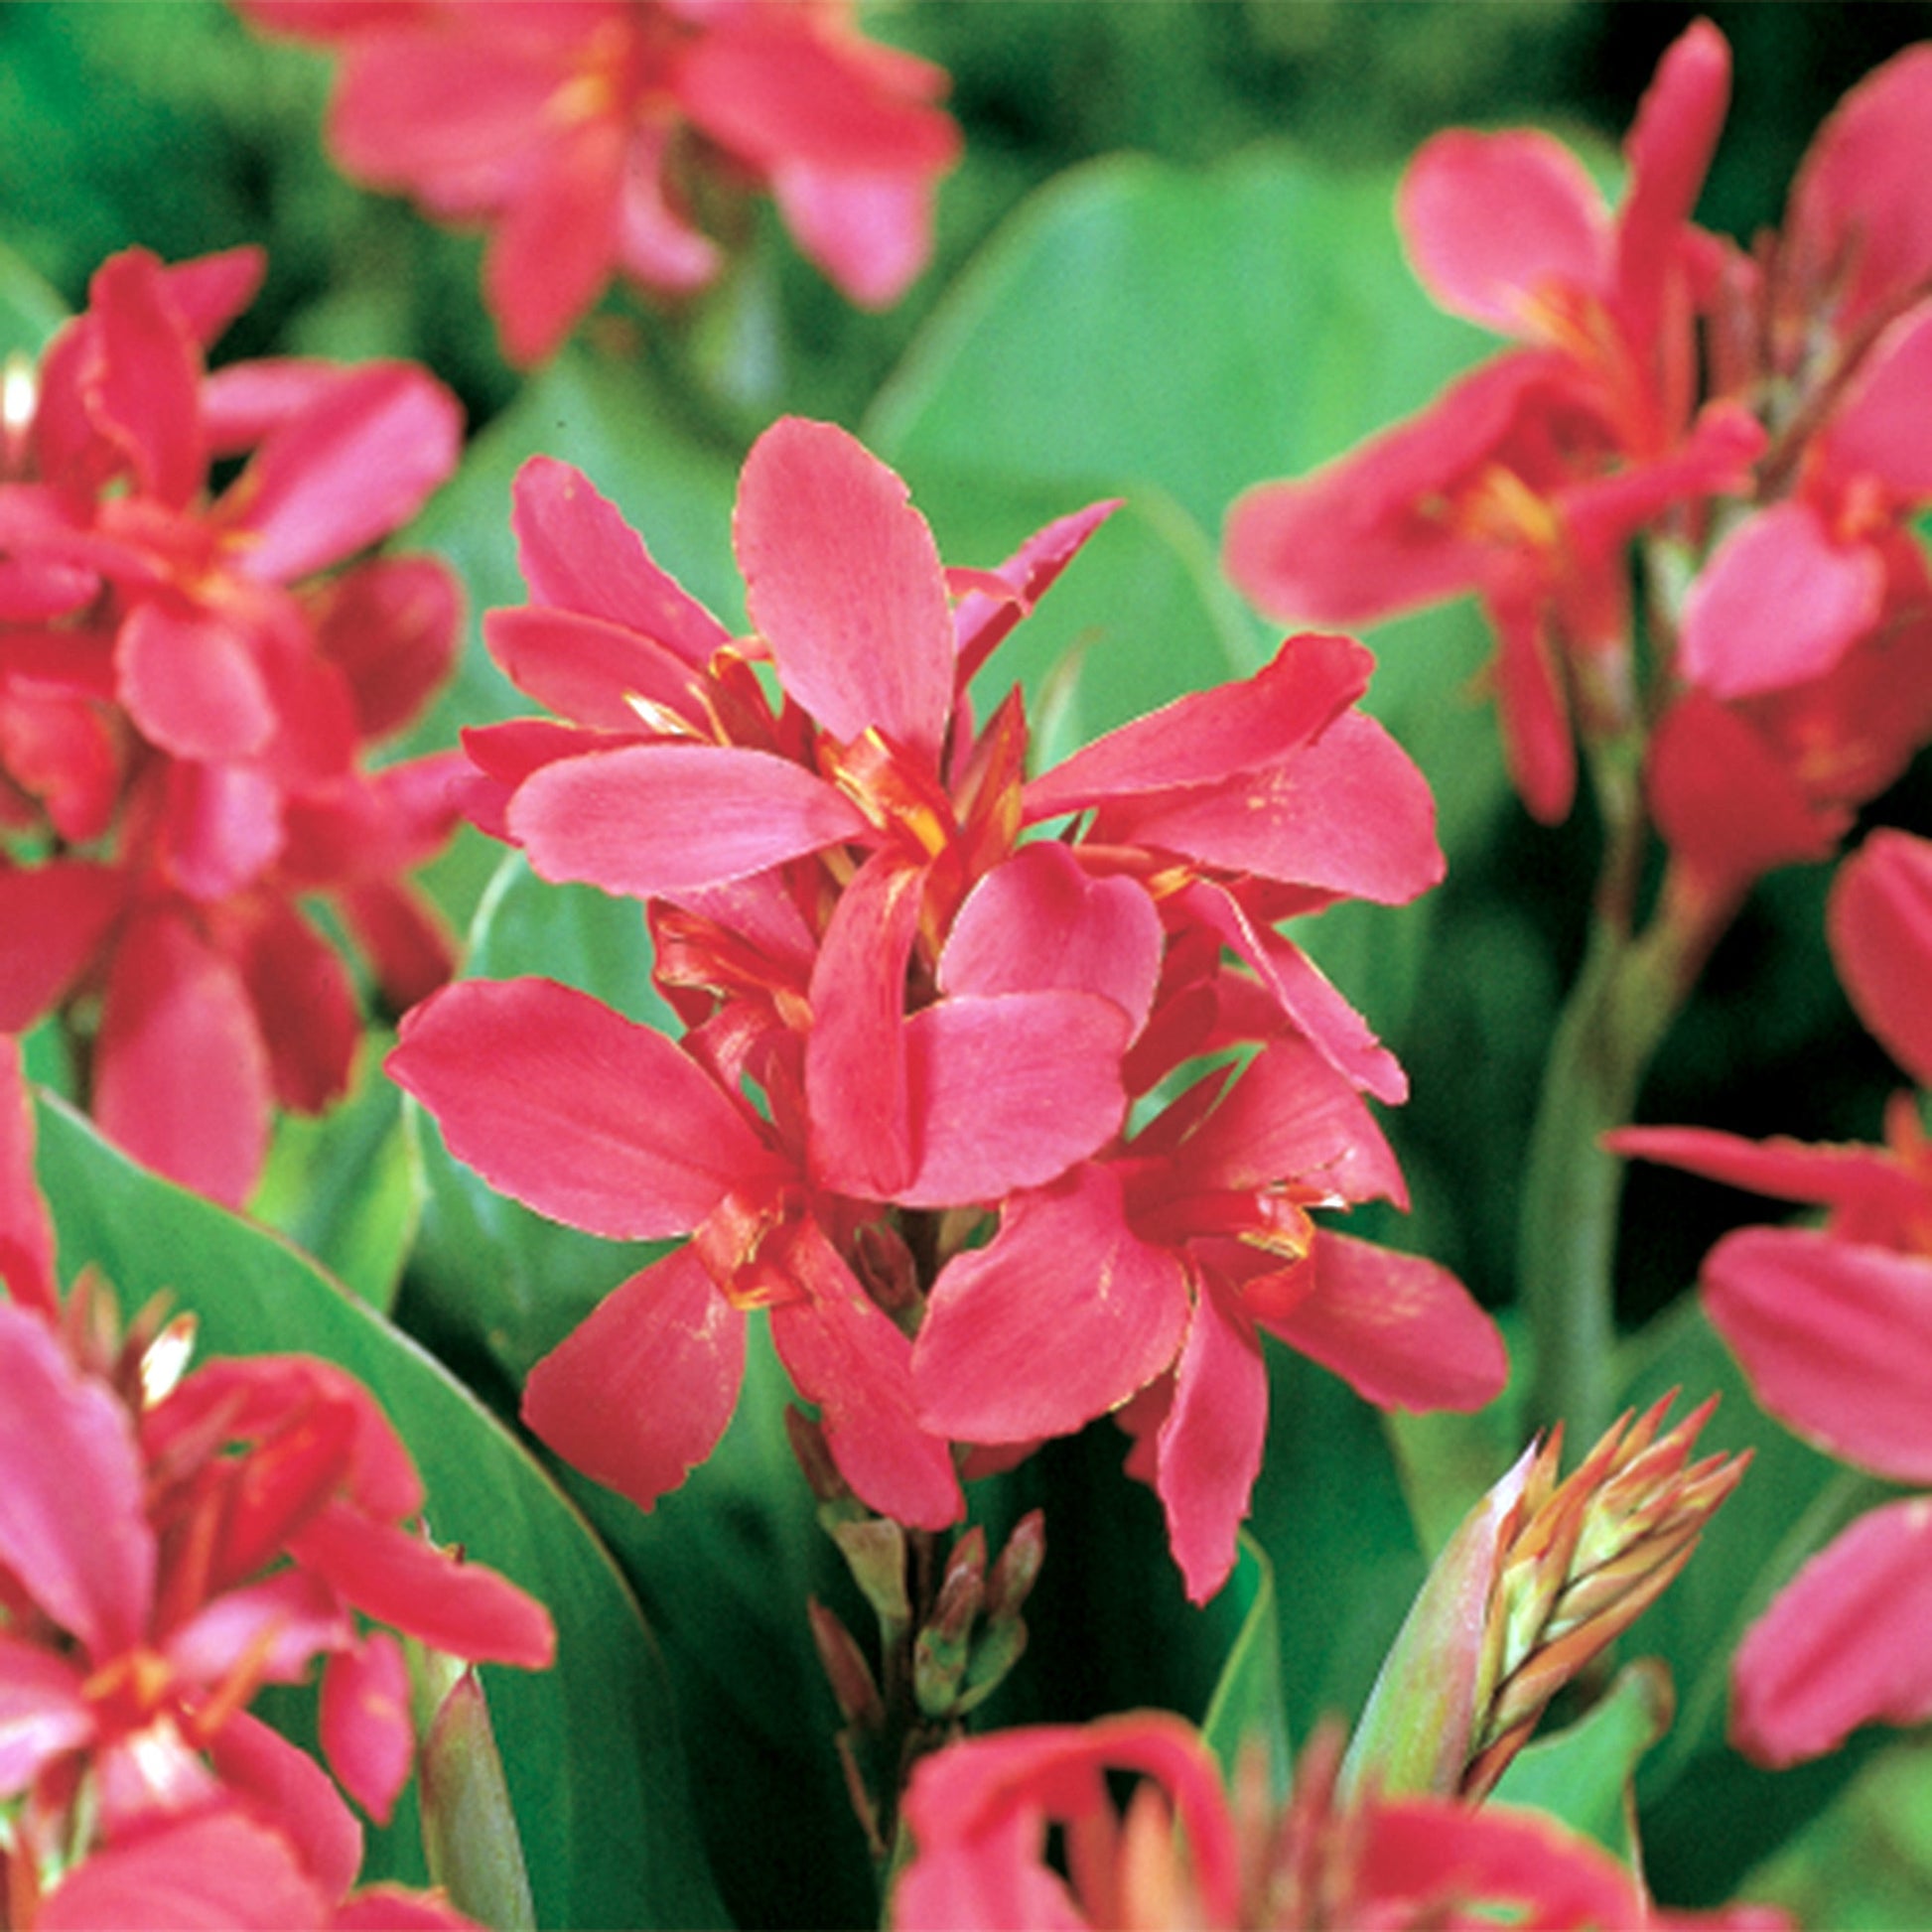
[366,1726]
[255,1762]
[1880,919]
[141,379]
[1842,1645]
[639,1394]
[191,682]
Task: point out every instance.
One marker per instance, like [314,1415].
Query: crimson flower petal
[365,1726]
[1529,705]
[845,1354]
[577,554]
[141,379]
[53,917]
[26,1227]
[1401,1331]
[1883,426]
[652,820]
[191,682]
[872,233]
[222,827]
[208,292]
[1208,736]
[334,481]
[1833,1337]
[392,628]
[42,1714]
[1061,1316]
[180,1074]
[637,1394]
[576,1111]
[983,618]
[215,1872]
[1842,1645]
[1208,1449]
[1880,919]
[1779,603]
[255,1762]
[844,583]
[1008,1091]
[72,1529]
[305,1004]
[590,670]
[398,1579]
[1495,222]
[1039,921]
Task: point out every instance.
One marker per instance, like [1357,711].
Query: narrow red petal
[26,1227]
[1061,1316]
[639,1394]
[305,1004]
[52,918]
[844,581]
[142,378]
[367,1730]
[575,1110]
[1880,919]
[392,627]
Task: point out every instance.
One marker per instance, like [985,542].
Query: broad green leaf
[596,1770]
[348,1187]
[30,310]
[1583,1775]
[1246,1707]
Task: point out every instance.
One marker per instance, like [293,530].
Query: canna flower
[1542,1576]
[1524,482]
[947,1017]
[1189,1853]
[165,1551]
[185,699]
[593,138]
[1828,1324]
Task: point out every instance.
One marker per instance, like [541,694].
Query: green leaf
[596,1770]
[348,1187]
[1247,1702]
[1583,1775]
[30,310]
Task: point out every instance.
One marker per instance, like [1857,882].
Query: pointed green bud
[821,1473]
[470,1834]
[874,1549]
[998,1649]
[1017,1569]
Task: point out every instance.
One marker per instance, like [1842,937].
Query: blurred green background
[162,123]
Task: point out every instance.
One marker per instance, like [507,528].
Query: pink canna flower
[184,705]
[1829,1326]
[1189,1852]
[944,1018]
[593,138]
[163,1553]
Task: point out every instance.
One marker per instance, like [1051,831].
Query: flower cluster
[1760,420]
[607,136]
[1829,1325]
[186,688]
[168,1544]
[944,1021]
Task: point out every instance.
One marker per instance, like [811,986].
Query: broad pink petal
[366,1730]
[1292,1116]
[1779,603]
[557,243]
[1009,1090]
[1209,1447]
[247,401]
[872,233]
[392,627]
[1860,207]
[657,819]
[655,243]
[845,1354]
[281,1623]
[1061,1316]
[52,918]
[577,553]
[1884,427]
[191,682]
[592,671]
[576,1111]
[1401,1331]
[1208,736]
[1880,919]
[854,1054]
[42,1714]
[637,1394]
[1864,1183]
[255,1762]
[140,381]
[1347,813]
[1835,1339]
[216,1872]
[34,589]
[332,481]
[1842,1645]
[1495,223]
[73,1530]
[399,1579]
[1039,920]
[26,1227]
[844,581]
[180,1074]
[222,827]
